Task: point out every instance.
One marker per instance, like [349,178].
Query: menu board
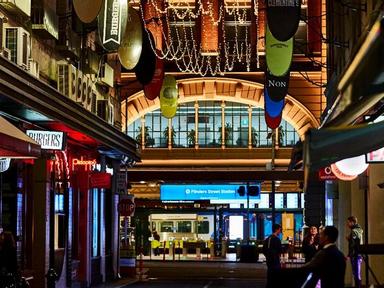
[279,200]
[264,201]
[292,200]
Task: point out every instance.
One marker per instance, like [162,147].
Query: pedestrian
[355,239]
[272,251]
[328,265]
[310,244]
[156,243]
[8,253]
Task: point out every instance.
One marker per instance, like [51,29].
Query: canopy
[14,143]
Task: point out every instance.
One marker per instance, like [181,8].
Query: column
[102,223]
[196,125]
[376,217]
[143,132]
[222,124]
[170,136]
[250,127]
[40,249]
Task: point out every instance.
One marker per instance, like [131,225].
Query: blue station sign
[202,192]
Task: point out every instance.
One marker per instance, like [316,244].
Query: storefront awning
[14,143]
[361,86]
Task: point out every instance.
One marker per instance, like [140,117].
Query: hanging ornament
[132,44]
[168,97]
[283,18]
[278,54]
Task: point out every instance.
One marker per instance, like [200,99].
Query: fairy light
[183,49]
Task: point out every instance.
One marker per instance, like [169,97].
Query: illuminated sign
[4,164]
[49,140]
[376,156]
[81,162]
[326,174]
[202,192]
[340,175]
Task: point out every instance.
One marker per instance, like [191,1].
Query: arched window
[211,127]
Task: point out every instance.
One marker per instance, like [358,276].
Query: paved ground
[204,275]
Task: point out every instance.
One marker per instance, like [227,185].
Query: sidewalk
[120,283]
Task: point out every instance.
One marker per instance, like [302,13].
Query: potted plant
[280,135]
[254,137]
[148,141]
[191,138]
[173,135]
[228,132]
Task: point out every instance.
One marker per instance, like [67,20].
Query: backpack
[266,244]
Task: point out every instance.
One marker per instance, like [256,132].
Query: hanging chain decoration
[179,43]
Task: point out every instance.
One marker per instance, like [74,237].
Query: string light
[184,50]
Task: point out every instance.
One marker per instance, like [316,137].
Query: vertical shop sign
[112,23]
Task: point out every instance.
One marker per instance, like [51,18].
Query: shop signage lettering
[48,140]
[283,3]
[326,174]
[4,164]
[112,23]
[376,156]
[274,83]
[100,180]
[87,164]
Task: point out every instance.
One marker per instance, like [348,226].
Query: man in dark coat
[355,239]
[328,264]
[272,251]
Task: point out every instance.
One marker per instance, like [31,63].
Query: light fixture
[177,34]
[352,166]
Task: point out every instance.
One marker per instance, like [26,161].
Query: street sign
[126,207]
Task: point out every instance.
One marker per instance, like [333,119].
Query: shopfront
[62,205]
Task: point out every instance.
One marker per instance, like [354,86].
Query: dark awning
[14,143]
[21,87]
[326,146]
[361,86]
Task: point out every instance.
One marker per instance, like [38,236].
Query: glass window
[279,200]
[292,200]
[166,226]
[184,226]
[209,127]
[264,200]
[184,126]
[209,124]
[11,42]
[202,227]
[95,223]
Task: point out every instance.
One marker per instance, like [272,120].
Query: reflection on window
[203,227]
[209,127]
[166,226]
[184,226]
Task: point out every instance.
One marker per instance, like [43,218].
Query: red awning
[14,143]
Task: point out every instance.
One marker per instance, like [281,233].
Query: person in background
[355,239]
[328,265]
[156,242]
[272,251]
[311,244]
[8,254]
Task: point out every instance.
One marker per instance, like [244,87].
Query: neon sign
[81,162]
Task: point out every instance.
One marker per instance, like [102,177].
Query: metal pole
[366,227]
[248,222]
[1,202]
[273,188]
